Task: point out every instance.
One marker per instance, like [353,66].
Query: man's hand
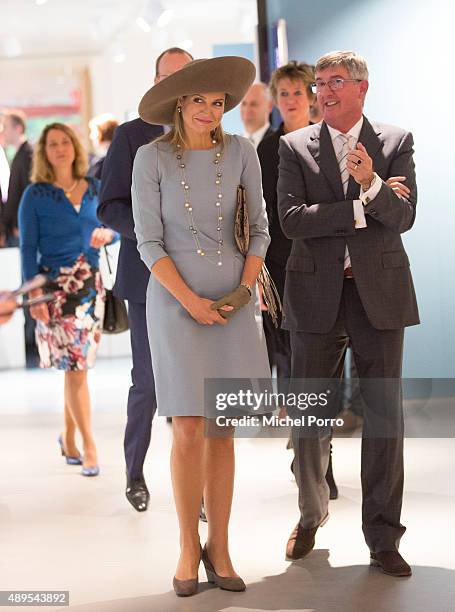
[360,165]
[100,237]
[396,183]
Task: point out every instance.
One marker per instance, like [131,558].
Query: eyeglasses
[333,84]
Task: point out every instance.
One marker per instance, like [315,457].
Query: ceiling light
[165,18]
[40,2]
[143,24]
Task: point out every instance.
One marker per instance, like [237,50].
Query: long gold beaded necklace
[218,207]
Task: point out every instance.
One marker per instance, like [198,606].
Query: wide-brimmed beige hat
[232,75]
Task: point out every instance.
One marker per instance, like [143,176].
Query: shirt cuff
[372,192]
[359,214]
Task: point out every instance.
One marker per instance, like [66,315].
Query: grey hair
[355,64]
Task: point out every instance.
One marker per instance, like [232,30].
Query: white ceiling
[86,27]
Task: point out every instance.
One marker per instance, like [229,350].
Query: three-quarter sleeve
[29,233]
[146,198]
[251,179]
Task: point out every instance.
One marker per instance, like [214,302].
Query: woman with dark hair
[61,237]
[203,312]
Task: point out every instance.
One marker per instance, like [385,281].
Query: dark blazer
[115,208]
[268,133]
[96,168]
[19,179]
[318,217]
[280,246]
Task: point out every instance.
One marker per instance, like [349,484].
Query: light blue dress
[185,352]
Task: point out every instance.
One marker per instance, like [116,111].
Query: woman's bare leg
[78,400]
[218,491]
[69,432]
[187,470]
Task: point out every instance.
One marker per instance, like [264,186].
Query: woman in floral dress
[60,236]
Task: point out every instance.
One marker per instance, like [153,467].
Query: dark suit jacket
[280,246]
[96,168]
[268,133]
[115,208]
[19,179]
[318,217]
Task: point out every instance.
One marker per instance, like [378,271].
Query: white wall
[118,87]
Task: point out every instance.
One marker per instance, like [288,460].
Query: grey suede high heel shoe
[224,582]
[186,588]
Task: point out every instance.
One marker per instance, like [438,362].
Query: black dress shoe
[333,494]
[137,493]
[391,563]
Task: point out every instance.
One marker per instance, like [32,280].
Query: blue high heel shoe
[90,471]
[69,460]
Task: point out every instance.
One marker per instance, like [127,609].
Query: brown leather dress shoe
[391,563]
[301,541]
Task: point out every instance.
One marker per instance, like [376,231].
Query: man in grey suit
[348,279]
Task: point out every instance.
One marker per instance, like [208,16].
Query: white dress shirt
[256,137]
[365,196]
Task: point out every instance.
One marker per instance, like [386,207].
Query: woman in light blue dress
[184,200]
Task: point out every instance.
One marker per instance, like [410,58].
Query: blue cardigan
[52,233]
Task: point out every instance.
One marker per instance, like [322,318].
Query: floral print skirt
[70,340]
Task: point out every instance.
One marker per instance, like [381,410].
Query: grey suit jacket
[316,215]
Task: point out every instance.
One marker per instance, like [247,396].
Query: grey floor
[59,530]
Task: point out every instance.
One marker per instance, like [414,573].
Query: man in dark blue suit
[115,211]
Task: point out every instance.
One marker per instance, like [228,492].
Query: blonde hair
[42,170]
[176,136]
[354,63]
[294,71]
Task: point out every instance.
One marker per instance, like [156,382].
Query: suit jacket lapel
[321,148]
[369,137]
